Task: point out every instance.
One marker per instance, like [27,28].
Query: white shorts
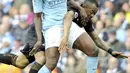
[54,35]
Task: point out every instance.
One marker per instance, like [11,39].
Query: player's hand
[63,45]
[35,48]
[118,55]
[128,60]
[84,17]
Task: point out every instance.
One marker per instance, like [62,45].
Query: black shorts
[27,49]
[32,36]
[31,40]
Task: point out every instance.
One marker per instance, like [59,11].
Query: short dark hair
[93,1]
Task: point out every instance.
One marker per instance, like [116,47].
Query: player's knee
[41,60]
[52,58]
[51,64]
[94,52]
[91,49]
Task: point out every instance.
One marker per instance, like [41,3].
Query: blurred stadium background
[112,23]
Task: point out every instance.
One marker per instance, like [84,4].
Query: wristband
[110,51]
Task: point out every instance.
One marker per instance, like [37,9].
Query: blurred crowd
[112,23]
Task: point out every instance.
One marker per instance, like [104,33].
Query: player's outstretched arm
[101,44]
[67,24]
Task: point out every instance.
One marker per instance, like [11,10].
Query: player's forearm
[38,26]
[67,22]
[98,41]
[101,44]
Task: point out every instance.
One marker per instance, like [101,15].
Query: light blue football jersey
[53,10]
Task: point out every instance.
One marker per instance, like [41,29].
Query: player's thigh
[85,44]
[52,37]
[21,60]
[81,40]
[52,57]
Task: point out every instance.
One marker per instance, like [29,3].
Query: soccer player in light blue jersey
[51,13]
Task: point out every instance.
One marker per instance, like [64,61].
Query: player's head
[91,7]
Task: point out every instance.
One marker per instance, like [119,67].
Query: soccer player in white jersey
[53,27]
[53,12]
[31,40]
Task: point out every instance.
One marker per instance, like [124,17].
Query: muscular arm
[101,44]
[38,26]
[37,9]
[67,22]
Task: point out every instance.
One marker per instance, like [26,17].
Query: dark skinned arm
[67,24]
[101,44]
[38,28]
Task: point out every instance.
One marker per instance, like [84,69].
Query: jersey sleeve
[37,6]
[89,26]
[76,13]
